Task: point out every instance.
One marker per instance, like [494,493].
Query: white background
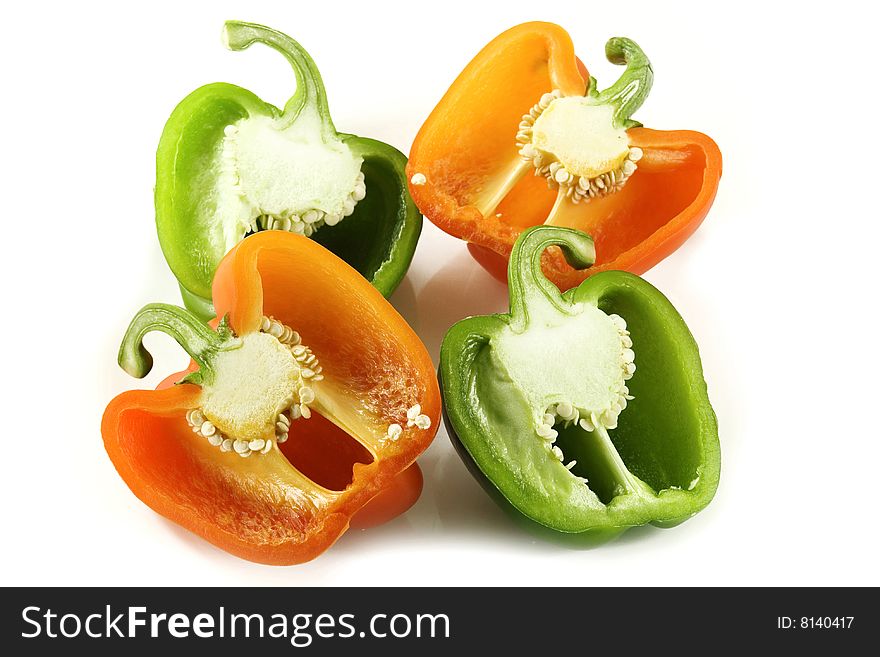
[778,285]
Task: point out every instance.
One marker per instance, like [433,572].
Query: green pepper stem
[531,291]
[199,341]
[632,87]
[310,91]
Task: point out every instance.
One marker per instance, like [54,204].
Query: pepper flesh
[656,461]
[476,187]
[287,505]
[203,208]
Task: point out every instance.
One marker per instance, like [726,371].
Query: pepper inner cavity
[596,462]
[257,391]
[290,179]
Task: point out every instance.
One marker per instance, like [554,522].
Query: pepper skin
[229,165]
[478,186]
[292,502]
[548,409]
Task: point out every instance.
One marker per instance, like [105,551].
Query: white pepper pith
[300,220]
[575,187]
[296,407]
[567,414]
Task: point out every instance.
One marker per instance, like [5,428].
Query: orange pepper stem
[632,87]
[198,339]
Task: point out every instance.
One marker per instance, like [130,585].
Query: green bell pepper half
[554,382]
[229,164]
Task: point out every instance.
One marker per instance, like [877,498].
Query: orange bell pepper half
[525,105]
[304,337]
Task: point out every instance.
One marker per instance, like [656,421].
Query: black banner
[322,621]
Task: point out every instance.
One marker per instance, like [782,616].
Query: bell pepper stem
[531,293]
[310,91]
[632,87]
[197,339]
